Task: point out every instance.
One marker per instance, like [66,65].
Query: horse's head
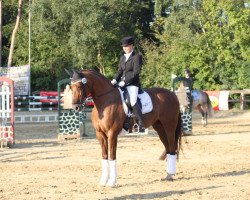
[79,89]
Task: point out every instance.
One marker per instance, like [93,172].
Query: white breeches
[133,93]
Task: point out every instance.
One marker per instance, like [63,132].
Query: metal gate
[7,136]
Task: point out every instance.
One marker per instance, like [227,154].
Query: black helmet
[127,41]
[187,71]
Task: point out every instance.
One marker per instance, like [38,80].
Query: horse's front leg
[112,140]
[103,140]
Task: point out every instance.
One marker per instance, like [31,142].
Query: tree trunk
[14,33]
[101,67]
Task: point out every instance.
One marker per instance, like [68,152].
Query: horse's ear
[68,72]
[76,71]
[79,72]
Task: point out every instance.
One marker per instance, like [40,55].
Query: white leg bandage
[105,172]
[171,164]
[112,173]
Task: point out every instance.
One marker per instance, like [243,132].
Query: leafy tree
[78,34]
[176,40]
[99,25]
[222,22]
[209,37]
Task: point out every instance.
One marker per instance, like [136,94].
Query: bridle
[83,81]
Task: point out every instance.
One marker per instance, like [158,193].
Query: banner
[20,76]
[214,98]
[223,100]
[219,99]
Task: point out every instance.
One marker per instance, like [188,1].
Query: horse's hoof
[111,183]
[123,132]
[103,181]
[170,177]
[186,133]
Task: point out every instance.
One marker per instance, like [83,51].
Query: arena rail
[243,99]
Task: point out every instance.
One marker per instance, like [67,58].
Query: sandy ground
[214,164]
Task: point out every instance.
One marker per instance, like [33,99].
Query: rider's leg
[137,112]
[133,93]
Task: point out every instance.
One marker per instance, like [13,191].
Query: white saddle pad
[146,103]
[196,95]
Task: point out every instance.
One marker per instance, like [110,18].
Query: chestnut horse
[108,117]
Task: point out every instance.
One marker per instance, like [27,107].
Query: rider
[128,74]
[189,84]
[188,76]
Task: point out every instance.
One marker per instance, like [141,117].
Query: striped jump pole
[36,97]
[36,103]
[7,136]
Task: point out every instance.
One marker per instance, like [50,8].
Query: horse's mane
[96,74]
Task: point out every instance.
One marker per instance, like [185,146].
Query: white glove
[113,82]
[121,84]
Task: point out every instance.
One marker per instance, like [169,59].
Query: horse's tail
[209,107]
[178,136]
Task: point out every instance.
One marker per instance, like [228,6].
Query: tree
[99,25]
[209,37]
[79,34]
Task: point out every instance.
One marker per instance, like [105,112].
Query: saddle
[144,101]
[126,98]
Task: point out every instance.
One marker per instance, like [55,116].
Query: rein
[84,90]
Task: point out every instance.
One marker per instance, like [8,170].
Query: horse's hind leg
[169,144]
[203,114]
[205,118]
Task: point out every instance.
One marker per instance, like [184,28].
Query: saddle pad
[146,103]
[196,96]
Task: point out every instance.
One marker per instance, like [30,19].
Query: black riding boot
[138,114]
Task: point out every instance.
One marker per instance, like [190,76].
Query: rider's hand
[113,82]
[121,84]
